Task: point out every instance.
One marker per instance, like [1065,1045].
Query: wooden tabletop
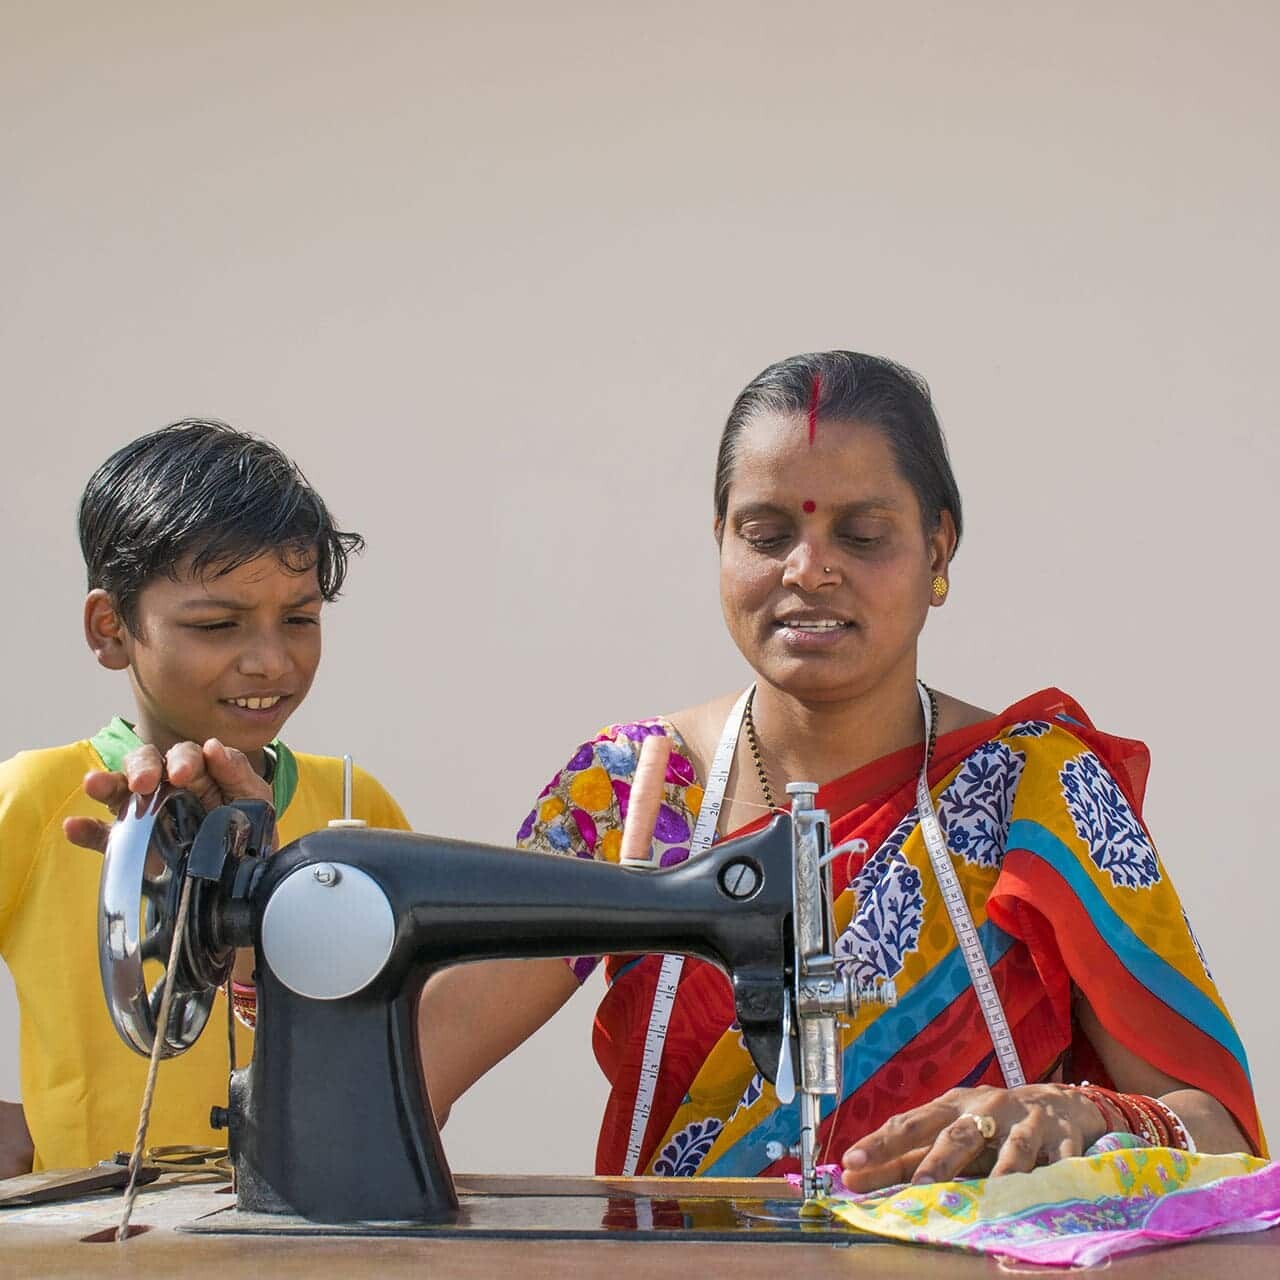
[49,1240]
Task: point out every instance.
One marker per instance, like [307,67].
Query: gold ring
[986,1124]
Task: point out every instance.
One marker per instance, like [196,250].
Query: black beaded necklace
[754,743]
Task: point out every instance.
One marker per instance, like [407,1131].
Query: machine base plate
[570,1217]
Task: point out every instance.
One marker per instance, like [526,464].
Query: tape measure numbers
[664,997]
[975,958]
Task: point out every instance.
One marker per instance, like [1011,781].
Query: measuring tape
[975,958]
[664,997]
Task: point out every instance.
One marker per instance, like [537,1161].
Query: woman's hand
[214,773]
[948,1137]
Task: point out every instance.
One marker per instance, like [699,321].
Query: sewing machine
[331,1119]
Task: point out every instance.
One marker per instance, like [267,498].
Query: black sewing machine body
[331,1119]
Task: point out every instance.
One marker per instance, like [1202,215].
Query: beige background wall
[494,273]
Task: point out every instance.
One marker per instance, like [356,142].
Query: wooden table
[49,1242]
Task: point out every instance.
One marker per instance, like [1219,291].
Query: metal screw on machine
[776,1150]
[218,1118]
[740,879]
[841,994]
[326,874]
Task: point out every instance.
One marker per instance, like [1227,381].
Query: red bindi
[809,506]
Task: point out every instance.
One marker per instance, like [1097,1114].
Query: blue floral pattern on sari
[755,1087]
[687,1149]
[1195,942]
[1029,729]
[885,927]
[975,809]
[1103,819]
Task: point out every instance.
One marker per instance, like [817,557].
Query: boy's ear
[104,631]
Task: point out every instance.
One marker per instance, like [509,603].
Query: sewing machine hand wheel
[146,861]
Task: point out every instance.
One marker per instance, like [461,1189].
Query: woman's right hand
[214,773]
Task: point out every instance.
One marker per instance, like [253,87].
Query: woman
[837,517]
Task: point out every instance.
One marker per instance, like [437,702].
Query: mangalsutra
[754,743]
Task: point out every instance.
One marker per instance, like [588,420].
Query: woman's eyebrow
[861,507]
[749,509]
[868,506]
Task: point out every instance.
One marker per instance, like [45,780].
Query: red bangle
[1147,1117]
[1140,1119]
[1134,1120]
[1159,1115]
[1172,1131]
[1113,1118]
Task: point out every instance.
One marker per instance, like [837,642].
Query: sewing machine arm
[332,1120]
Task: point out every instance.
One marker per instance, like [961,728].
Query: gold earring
[940,587]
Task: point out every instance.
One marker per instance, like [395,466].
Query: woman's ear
[717,529]
[104,631]
[942,543]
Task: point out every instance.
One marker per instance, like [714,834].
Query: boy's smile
[230,656]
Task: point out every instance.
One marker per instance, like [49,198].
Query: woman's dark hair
[199,491]
[846,386]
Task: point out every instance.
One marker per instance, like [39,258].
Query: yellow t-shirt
[81,1085]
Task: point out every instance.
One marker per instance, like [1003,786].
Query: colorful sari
[1042,814]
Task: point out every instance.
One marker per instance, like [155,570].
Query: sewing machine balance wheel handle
[143,870]
[159,841]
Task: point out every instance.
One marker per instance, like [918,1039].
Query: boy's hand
[215,774]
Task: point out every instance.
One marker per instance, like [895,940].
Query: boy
[209,558]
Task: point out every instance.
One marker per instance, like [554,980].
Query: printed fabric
[1079,1212]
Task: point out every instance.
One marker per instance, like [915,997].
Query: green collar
[116,741]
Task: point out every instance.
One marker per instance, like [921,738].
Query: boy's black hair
[199,491]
